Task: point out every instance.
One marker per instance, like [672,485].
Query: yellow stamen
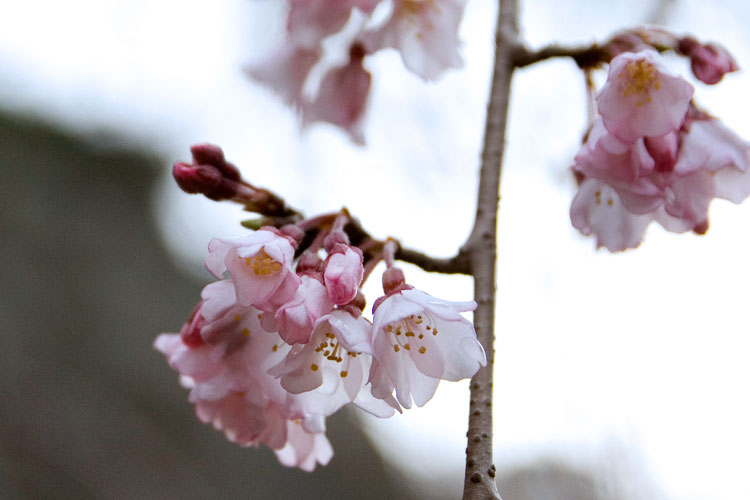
[263,264]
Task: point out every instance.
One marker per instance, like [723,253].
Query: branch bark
[479,480]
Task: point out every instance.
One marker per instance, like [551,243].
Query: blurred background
[617,376]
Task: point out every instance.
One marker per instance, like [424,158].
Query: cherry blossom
[304,449]
[296,317]
[670,180]
[425,32]
[285,70]
[260,266]
[310,21]
[418,340]
[641,97]
[334,363]
[342,97]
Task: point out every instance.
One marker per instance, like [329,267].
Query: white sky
[647,349]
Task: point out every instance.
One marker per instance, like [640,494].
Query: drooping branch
[479,480]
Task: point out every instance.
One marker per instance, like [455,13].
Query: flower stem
[479,481]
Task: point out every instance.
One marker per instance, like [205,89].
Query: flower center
[640,79]
[331,350]
[410,332]
[263,264]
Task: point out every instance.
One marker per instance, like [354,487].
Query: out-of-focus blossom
[642,98]
[425,32]
[709,62]
[669,178]
[310,21]
[304,449]
[285,70]
[342,97]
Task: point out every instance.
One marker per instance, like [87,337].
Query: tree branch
[454,265]
[585,57]
[479,480]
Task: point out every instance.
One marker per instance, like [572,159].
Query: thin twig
[453,265]
[585,57]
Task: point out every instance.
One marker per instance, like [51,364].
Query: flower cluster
[425,32]
[279,343]
[652,155]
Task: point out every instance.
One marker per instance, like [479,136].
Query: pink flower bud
[210,154]
[204,179]
[393,279]
[710,62]
[343,273]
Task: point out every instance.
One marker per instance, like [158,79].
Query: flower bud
[709,62]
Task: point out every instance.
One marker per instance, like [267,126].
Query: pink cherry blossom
[597,210]
[260,267]
[642,98]
[285,70]
[425,32]
[304,449]
[342,97]
[310,21]
[418,340]
[296,317]
[224,393]
[670,179]
[343,273]
[234,392]
[332,367]
[243,422]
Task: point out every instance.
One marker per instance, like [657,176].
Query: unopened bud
[293,232]
[309,263]
[210,154]
[204,179]
[709,62]
[393,278]
[336,239]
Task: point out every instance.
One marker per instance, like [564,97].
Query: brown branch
[479,480]
[453,265]
[585,57]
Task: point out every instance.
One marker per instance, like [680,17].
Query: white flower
[418,340]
